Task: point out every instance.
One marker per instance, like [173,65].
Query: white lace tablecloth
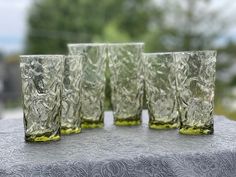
[120,151]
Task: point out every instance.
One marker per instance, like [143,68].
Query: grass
[221,110]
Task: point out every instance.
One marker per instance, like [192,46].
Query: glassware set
[71,102]
[42,86]
[125,65]
[93,56]
[160,84]
[62,94]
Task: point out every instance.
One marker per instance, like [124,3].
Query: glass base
[67,131]
[197,130]
[42,137]
[163,125]
[131,121]
[91,124]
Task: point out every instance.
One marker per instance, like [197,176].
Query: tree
[163,26]
[186,25]
[54,23]
[1,56]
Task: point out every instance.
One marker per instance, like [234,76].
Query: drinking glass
[41,87]
[126,77]
[160,90]
[70,118]
[195,79]
[92,82]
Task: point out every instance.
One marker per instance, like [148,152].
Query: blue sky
[13,22]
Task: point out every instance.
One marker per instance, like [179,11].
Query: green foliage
[1,56]
[54,23]
[170,26]
[221,110]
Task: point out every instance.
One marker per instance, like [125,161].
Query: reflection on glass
[125,64]
[70,119]
[160,90]
[195,87]
[93,82]
[41,86]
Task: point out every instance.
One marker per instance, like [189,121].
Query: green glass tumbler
[195,79]
[126,78]
[71,102]
[159,74]
[42,77]
[92,83]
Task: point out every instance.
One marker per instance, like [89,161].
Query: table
[120,151]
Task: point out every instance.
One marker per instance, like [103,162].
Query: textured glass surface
[41,86]
[195,87]
[70,119]
[125,64]
[160,90]
[93,82]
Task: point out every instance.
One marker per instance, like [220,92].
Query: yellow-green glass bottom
[90,124]
[130,121]
[208,130]
[67,131]
[162,125]
[42,137]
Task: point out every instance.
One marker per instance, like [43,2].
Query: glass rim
[194,51]
[71,55]
[85,44]
[156,53]
[104,44]
[42,56]
[125,43]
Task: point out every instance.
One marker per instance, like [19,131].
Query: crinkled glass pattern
[126,68]
[41,86]
[160,90]
[70,119]
[195,87]
[93,80]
